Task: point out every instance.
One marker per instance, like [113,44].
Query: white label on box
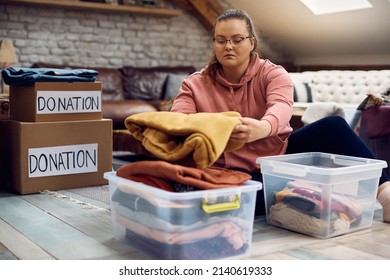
[62,160]
[60,102]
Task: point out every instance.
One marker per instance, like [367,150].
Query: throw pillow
[302,92]
[143,83]
[302,89]
[173,85]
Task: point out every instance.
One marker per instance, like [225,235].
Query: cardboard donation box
[56,101]
[38,156]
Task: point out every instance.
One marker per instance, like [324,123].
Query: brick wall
[105,39]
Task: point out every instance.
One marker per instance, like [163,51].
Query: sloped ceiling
[289,25]
[206,11]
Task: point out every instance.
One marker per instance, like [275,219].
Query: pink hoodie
[264,92]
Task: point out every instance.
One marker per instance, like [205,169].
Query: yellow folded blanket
[192,139]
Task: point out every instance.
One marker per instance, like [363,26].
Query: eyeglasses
[220,41]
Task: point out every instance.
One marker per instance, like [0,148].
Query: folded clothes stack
[180,228]
[16,76]
[300,207]
[187,139]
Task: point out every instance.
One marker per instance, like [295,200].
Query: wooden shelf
[93,6]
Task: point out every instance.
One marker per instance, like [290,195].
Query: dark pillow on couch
[173,85]
[149,83]
[112,84]
[143,83]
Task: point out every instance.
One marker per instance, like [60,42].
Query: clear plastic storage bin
[320,194]
[207,224]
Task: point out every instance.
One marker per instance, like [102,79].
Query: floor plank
[336,251]
[6,254]
[94,222]
[50,233]
[367,243]
[19,245]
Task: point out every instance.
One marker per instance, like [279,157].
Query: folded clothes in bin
[157,223]
[174,213]
[300,207]
[233,234]
[208,178]
[201,224]
[320,194]
[207,249]
[221,238]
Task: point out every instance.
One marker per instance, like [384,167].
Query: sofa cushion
[112,86]
[142,83]
[119,110]
[149,83]
[173,85]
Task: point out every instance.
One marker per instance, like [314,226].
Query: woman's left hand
[250,130]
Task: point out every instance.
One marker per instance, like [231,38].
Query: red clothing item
[264,92]
[209,178]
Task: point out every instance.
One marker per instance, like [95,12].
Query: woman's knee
[334,123]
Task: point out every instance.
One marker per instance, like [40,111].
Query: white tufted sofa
[348,88]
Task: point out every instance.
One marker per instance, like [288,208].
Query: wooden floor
[50,226]
[61,225]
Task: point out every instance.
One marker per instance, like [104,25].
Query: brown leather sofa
[129,90]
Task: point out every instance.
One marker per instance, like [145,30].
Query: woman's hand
[250,130]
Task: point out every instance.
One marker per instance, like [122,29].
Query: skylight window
[321,7]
